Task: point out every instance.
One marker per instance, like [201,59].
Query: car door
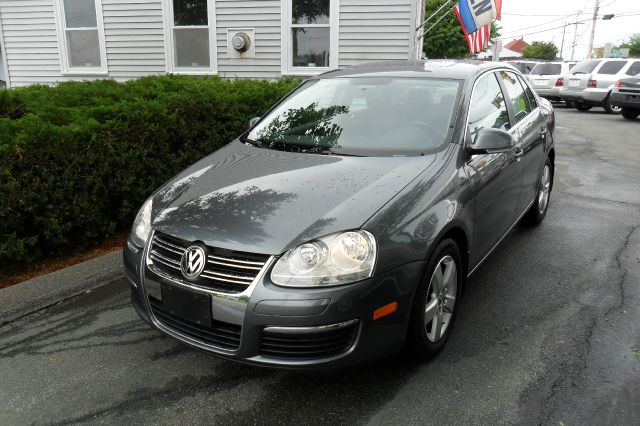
[530,125]
[497,177]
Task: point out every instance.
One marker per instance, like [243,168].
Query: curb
[41,292]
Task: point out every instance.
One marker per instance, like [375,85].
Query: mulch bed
[41,268]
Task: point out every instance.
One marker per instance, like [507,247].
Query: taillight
[617,84]
[592,84]
[560,82]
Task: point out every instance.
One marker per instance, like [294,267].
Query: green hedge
[78,159]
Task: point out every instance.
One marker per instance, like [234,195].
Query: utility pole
[593,28]
[564,30]
[575,36]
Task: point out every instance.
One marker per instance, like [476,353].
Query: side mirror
[491,141]
[253,122]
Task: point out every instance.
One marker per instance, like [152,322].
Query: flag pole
[433,14]
[435,23]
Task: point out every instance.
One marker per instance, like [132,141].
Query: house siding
[264,17]
[134,38]
[376,30]
[369,30]
[30,41]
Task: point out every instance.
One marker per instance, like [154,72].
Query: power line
[518,31]
[543,23]
[549,29]
[588,10]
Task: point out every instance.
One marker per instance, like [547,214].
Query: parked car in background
[591,82]
[626,96]
[547,78]
[524,67]
[346,220]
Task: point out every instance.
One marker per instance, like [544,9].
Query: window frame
[505,92]
[467,141]
[63,46]
[533,101]
[170,43]
[286,24]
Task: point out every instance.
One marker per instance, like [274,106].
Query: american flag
[478,40]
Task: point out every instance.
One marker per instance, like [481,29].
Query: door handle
[543,132]
[518,152]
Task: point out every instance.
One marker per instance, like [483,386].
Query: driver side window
[519,100]
[488,108]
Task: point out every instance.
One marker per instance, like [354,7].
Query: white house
[47,41]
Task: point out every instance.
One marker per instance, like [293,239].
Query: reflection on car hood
[264,201]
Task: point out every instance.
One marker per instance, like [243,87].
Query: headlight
[332,260]
[142,224]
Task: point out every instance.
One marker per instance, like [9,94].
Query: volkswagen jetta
[345,222]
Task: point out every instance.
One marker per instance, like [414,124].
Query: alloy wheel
[441,298]
[545,188]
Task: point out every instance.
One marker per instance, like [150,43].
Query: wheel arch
[458,233]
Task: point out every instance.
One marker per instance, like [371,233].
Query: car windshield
[547,69]
[585,67]
[366,116]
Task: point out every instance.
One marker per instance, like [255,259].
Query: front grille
[325,344]
[226,271]
[221,334]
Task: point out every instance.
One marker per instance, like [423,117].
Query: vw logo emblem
[193,262]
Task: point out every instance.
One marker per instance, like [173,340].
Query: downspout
[4,55]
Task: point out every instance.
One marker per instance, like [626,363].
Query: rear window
[547,69]
[611,67]
[585,67]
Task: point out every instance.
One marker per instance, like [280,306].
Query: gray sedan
[626,96]
[344,223]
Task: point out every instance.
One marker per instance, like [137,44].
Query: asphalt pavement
[548,333]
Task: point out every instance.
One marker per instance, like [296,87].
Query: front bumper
[266,313]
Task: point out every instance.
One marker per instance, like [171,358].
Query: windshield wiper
[251,142]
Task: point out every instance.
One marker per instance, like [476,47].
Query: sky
[519,17]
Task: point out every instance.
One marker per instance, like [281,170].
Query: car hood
[259,200]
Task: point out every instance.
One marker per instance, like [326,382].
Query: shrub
[78,159]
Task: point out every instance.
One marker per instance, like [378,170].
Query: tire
[538,210]
[610,109]
[630,113]
[583,107]
[425,339]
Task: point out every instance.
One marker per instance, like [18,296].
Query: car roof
[433,68]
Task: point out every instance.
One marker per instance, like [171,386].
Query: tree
[446,39]
[541,50]
[633,44]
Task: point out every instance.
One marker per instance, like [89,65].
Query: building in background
[517,45]
[47,41]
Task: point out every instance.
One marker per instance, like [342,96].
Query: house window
[81,36]
[310,33]
[192,41]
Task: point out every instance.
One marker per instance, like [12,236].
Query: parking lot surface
[548,332]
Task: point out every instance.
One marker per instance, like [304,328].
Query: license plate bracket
[187,305]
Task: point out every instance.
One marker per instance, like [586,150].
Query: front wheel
[538,210]
[630,113]
[611,109]
[434,307]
